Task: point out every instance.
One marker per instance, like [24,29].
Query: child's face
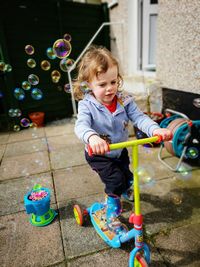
[104,86]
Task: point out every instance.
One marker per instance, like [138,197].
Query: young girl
[103,116]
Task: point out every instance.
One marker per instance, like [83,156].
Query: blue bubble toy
[37,203]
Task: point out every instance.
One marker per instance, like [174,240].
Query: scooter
[103,215]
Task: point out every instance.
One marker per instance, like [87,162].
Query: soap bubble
[45,65]
[33,79]
[8,68]
[31,63]
[67,88]
[50,53]
[66,63]
[55,76]
[19,94]
[25,122]
[1,94]
[192,152]
[184,171]
[17,112]
[84,87]
[146,175]
[196,102]
[176,198]
[16,128]
[11,113]
[67,37]
[29,49]
[26,85]
[14,112]
[62,48]
[36,94]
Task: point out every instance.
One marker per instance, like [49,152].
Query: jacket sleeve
[141,120]
[83,123]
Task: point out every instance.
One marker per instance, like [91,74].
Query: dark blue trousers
[114,172]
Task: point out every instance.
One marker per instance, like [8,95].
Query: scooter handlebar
[130,143]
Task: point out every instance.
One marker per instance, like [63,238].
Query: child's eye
[113,82]
[102,85]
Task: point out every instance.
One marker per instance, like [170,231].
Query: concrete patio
[53,157]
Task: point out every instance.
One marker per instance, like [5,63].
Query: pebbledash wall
[178,45]
[177,52]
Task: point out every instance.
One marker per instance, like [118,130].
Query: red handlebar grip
[90,152]
[159,139]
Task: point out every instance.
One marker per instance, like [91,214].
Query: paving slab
[12,192]
[79,240]
[24,165]
[181,246]
[166,205]
[67,157]
[2,149]
[113,258]
[108,258]
[26,134]
[60,127]
[4,138]
[76,182]
[23,244]
[24,147]
[60,141]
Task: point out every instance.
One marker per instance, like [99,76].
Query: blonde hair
[96,60]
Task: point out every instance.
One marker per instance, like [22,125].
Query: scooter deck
[98,218]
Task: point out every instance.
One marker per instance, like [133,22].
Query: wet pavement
[53,157]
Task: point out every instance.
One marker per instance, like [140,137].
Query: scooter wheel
[78,214]
[140,261]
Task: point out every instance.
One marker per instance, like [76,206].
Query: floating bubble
[33,125]
[176,198]
[2,66]
[196,102]
[11,113]
[26,85]
[8,68]
[84,87]
[62,48]
[25,122]
[146,174]
[31,63]
[50,53]
[67,37]
[1,94]
[36,94]
[16,128]
[33,79]
[192,152]
[29,49]
[66,63]
[55,76]
[184,171]
[17,112]
[19,94]
[45,65]
[14,112]
[67,88]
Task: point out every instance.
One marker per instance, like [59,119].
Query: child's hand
[98,145]
[165,133]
